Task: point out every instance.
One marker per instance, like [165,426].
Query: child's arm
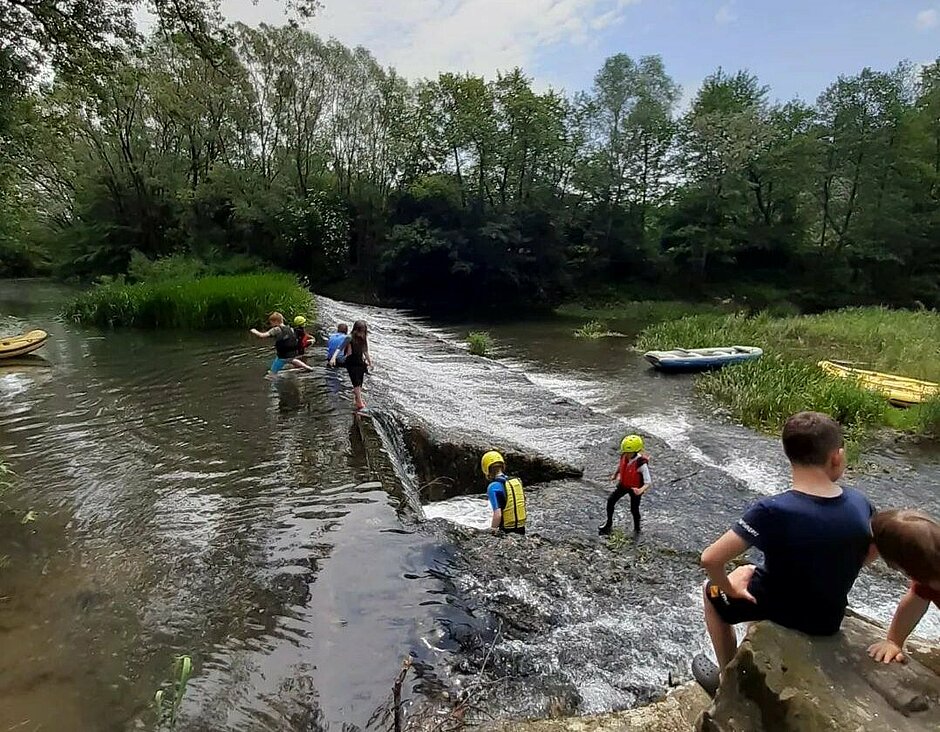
[714,559]
[647,480]
[910,610]
[260,334]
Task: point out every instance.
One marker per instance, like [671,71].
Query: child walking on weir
[633,477]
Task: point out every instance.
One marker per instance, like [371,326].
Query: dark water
[186,505]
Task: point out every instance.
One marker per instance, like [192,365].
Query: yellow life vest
[514,511]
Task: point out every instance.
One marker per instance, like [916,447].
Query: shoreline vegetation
[761,394]
[209,301]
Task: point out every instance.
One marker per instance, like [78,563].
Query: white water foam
[471,511]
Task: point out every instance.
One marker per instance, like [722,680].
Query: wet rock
[783,680]
[676,713]
[448,465]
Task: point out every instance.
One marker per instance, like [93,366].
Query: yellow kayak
[899,390]
[20,345]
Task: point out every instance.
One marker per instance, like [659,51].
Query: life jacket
[629,473]
[303,340]
[514,508]
[286,343]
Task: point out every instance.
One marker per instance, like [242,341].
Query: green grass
[592,329]
[896,341]
[763,394]
[479,342]
[235,301]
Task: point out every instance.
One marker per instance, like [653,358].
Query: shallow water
[186,505]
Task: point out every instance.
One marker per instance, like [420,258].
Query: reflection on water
[186,505]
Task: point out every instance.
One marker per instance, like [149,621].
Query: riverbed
[184,505]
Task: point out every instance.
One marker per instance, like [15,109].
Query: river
[183,504]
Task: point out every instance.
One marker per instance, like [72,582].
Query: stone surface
[448,465]
[783,680]
[676,713]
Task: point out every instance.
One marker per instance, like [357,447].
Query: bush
[927,418]
[479,342]
[592,329]
[236,301]
[765,392]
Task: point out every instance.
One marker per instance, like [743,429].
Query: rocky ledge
[784,681]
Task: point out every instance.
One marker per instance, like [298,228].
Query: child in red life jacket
[633,477]
[303,338]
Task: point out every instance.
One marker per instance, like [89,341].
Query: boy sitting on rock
[910,541]
[815,538]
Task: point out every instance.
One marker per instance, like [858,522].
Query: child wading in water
[633,477]
[285,344]
[356,351]
[909,541]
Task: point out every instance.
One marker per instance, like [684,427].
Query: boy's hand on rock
[887,652]
[739,579]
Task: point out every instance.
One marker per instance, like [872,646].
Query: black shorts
[734,610]
[517,530]
[356,373]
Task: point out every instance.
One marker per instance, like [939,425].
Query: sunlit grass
[209,302]
[479,342]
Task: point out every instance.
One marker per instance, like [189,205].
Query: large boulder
[784,680]
[676,713]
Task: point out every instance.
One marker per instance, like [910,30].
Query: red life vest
[629,471]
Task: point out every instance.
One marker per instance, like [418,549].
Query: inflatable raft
[899,390]
[701,359]
[20,345]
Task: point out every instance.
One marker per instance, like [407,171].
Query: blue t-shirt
[813,550]
[497,493]
[337,340]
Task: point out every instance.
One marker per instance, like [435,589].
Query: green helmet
[631,443]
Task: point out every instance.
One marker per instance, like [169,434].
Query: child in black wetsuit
[358,361]
[633,477]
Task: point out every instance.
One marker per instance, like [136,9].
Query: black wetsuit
[355,362]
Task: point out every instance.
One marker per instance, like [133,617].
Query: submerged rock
[676,713]
[783,680]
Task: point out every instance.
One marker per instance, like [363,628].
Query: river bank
[187,506]
[762,394]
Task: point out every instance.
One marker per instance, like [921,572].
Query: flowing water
[183,504]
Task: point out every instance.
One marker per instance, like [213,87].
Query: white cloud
[726,14]
[927,19]
[424,37]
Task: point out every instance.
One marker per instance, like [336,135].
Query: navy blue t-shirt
[813,550]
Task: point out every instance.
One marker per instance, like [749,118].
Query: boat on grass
[900,390]
[20,345]
[701,359]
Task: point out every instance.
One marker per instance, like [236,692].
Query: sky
[796,47]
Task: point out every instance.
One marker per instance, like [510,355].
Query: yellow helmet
[299,320]
[489,460]
[631,443]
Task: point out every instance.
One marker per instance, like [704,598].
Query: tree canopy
[272,144]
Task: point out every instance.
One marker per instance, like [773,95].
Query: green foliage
[927,418]
[765,392]
[640,311]
[479,342]
[904,342]
[209,302]
[592,329]
[169,698]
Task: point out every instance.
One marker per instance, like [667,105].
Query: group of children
[815,539]
[350,350]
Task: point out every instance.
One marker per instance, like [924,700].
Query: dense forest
[271,145]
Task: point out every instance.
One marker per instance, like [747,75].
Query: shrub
[236,301]
[592,329]
[479,342]
[927,418]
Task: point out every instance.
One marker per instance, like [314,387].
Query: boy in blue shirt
[505,494]
[815,539]
[336,343]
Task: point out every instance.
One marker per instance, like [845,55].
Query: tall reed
[235,301]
